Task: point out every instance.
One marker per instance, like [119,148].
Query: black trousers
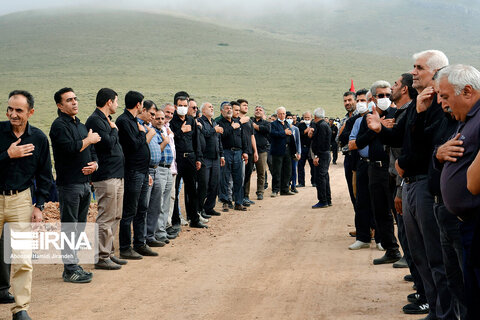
[348,167]
[363,208]
[334,148]
[322,179]
[4,270]
[187,171]
[248,174]
[176,210]
[380,195]
[202,186]
[301,167]
[281,172]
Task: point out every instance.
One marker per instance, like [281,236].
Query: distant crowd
[410,157]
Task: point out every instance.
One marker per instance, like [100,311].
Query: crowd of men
[410,157]
[137,165]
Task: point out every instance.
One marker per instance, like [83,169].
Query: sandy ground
[278,260]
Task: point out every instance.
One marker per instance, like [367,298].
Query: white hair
[319,113]
[379,84]
[303,115]
[436,59]
[459,76]
[204,105]
[280,108]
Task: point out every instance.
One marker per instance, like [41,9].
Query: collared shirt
[367,137]
[262,135]
[453,181]
[321,137]
[186,142]
[363,152]
[134,143]
[166,156]
[247,131]
[213,143]
[67,134]
[232,138]
[153,145]
[19,173]
[304,138]
[109,151]
[173,167]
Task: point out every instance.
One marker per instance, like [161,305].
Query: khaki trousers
[109,195]
[261,167]
[18,208]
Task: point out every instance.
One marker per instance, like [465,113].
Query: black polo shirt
[18,174]
[321,137]
[66,134]
[247,131]
[262,135]
[134,143]
[213,144]
[109,151]
[232,138]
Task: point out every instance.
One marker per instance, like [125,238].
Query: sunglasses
[383,95]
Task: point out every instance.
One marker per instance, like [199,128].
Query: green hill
[159,54]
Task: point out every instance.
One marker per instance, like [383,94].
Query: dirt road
[278,260]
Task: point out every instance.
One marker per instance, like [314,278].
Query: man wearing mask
[262,131]
[305,142]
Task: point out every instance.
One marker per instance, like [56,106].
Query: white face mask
[307,122]
[371,104]
[383,103]
[362,107]
[181,111]
[289,121]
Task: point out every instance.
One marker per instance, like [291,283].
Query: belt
[11,192]
[153,167]
[235,149]
[186,154]
[163,165]
[415,178]
[379,164]
[438,199]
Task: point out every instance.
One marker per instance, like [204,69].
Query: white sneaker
[379,247]
[183,222]
[202,219]
[359,245]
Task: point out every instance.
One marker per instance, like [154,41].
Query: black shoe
[260,197]
[6,297]
[118,261]
[172,236]
[155,243]
[230,205]
[416,298]
[77,276]
[172,230]
[240,207]
[83,271]
[213,213]
[265,187]
[205,215]
[300,186]
[288,193]
[198,225]
[408,278]
[294,190]
[245,204]
[21,315]
[107,264]
[130,254]
[145,251]
[314,185]
[163,239]
[413,308]
[225,207]
[329,204]
[388,258]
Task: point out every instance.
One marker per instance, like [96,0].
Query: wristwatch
[40,206]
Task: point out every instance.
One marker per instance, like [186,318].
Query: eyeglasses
[152,114]
[383,95]
[195,108]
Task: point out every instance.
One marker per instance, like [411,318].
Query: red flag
[352,87]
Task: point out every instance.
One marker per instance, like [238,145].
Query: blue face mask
[371,104]
[289,121]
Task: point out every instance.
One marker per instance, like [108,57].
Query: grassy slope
[159,55]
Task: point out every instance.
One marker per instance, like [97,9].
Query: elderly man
[417,148]
[26,149]
[282,150]
[212,157]
[459,89]
[75,161]
[305,142]
[262,131]
[108,179]
[321,136]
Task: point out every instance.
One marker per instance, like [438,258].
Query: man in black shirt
[234,149]
[75,161]
[24,156]
[306,142]
[133,138]
[262,132]
[212,158]
[321,135]
[188,157]
[108,179]
[333,142]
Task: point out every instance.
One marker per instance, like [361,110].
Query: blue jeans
[74,202]
[135,206]
[232,168]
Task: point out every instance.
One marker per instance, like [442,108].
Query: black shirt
[321,137]
[134,143]
[247,131]
[334,129]
[305,140]
[262,135]
[66,134]
[367,137]
[345,136]
[109,151]
[232,138]
[19,173]
[213,144]
[186,142]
